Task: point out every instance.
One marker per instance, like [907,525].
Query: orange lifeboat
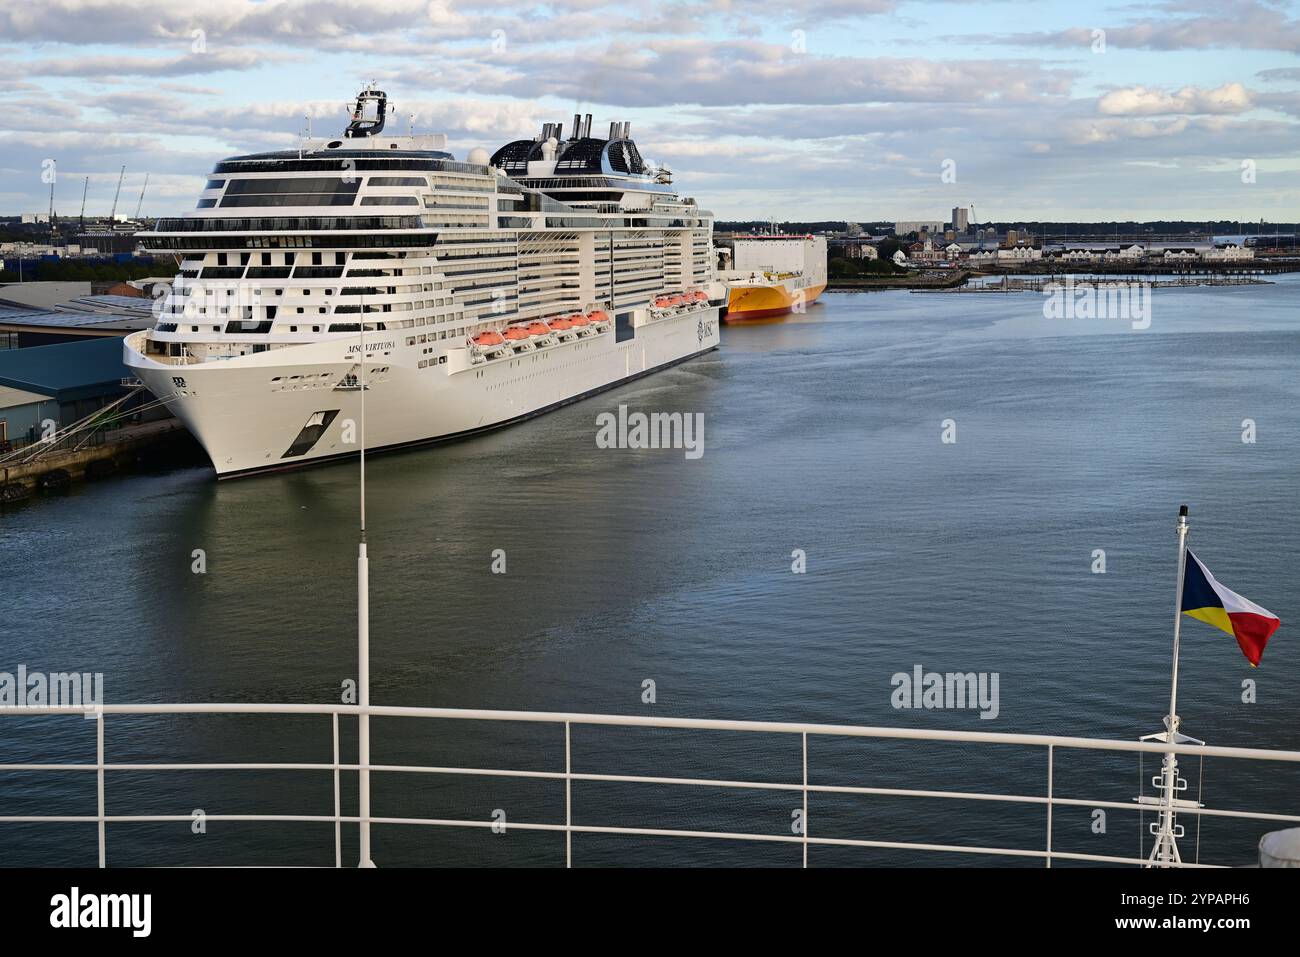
[598,315]
[578,319]
[560,323]
[538,329]
[515,334]
[663,302]
[488,339]
[701,297]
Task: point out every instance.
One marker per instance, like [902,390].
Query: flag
[1207,600]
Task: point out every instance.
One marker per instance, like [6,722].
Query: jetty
[1046,284]
[90,452]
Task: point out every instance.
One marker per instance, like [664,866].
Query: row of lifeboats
[527,336]
[678,300]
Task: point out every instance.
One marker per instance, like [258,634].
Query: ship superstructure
[461,295]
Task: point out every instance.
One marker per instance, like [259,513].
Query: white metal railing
[1051,743]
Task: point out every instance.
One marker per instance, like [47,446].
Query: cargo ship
[773,275]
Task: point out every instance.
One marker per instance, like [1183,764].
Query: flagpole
[1165,849]
[363,633]
[1178,614]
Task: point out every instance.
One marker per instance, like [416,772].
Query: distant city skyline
[879,110]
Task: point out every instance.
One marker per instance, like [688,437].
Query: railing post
[338,823]
[99,783]
[568,798]
[1051,752]
[805,799]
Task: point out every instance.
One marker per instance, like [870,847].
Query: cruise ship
[444,298]
[774,274]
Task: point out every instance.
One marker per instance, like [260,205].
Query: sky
[860,110]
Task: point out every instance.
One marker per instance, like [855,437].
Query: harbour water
[822,434]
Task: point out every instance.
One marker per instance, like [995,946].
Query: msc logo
[178,381]
[704,330]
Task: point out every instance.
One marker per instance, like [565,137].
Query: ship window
[389,201]
[304,184]
[289,199]
[245,327]
[214,184]
[623,328]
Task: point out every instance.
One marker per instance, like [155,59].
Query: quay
[1010,284]
[56,465]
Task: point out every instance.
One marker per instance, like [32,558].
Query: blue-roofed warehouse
[60,383]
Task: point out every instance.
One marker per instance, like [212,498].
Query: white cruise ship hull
[283,408]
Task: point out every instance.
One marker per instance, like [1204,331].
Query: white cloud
[744,72]
[1229,24]
[1147,101]
[112,68]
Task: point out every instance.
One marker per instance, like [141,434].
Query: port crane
[112,215]
[140,205]
[81,227]
[54,226]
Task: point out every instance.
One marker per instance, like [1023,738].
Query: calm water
[822,433]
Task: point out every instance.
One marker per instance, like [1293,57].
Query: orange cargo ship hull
[762,302]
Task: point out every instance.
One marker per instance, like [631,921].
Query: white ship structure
[457,296]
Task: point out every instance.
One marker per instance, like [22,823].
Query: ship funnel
[613,131]
[577,125]
[586,126]
[627,128]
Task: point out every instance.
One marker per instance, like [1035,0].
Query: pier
[1044,284]
[54,466]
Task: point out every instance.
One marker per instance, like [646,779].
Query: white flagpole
[1165,849]
[363,632]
